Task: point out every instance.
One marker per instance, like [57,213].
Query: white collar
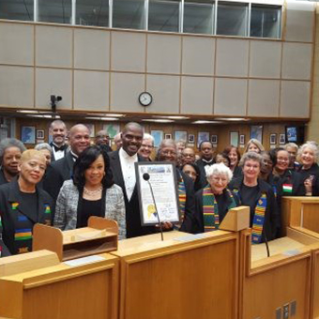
[126,156]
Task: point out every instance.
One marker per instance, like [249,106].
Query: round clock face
[145,98]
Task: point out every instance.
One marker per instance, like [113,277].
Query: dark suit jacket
[201,165]
[16,215]
[57,173]
[2,178]
[53,158]
[133,217]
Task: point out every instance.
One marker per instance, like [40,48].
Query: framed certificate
[161,176]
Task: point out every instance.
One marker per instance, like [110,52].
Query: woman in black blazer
[23,204]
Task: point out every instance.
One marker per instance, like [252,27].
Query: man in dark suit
[207,158]
[102,139]
[61,170]
[122,165]
[58,132]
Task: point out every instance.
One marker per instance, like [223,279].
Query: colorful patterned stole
[259,217]
[210,208]
[182,197]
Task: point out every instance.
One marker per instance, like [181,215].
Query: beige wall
[105,70]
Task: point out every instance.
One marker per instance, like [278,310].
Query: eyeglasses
[169,153]
[147,146]
[103,136]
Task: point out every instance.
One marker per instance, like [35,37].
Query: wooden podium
[301,212]
[83,289]
[284,279]
[183,277]
[100,236]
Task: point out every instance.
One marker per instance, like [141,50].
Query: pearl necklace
[93,193]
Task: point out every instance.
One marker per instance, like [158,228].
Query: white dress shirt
[128,171]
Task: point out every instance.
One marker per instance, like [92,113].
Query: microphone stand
[156,210]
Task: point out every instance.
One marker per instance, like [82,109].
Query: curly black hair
[85,160]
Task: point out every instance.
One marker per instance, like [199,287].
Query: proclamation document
[161,177]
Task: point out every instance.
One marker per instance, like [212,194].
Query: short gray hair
[43,146]
[217,169]
[250,156]
[294,145]
[11,142]
[147,136]
[310,145]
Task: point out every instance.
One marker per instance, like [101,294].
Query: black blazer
[53,159]
[132,208]
[57,173]
[189,217]
[272,220]
[2,178]
[15,215]
[201,165]
[304,174]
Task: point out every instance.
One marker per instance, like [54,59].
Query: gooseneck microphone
[146,178]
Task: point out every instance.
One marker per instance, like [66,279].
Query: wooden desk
[284,277]
[61,291]
[301,212]
[179,279]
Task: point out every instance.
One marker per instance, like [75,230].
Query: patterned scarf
[210,208]
[259,217]
[182,197]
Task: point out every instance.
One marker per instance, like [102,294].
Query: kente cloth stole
[182,197]
[210,209]
[259,219]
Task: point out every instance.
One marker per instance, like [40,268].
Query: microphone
[146,178]
[266,243]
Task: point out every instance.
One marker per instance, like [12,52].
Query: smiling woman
[23,204]
[92,192]
[259,196]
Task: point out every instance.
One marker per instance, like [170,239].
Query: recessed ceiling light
[231,119]
[106,114]
[101,118]
[158,120]
[172,117]
[206,122]
[28,111]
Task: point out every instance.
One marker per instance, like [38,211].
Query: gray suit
[67,204]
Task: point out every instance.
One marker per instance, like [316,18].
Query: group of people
[64,184]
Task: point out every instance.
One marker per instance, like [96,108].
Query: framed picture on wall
[168,136]
[158,137]
[242,139]
[256,131]
[234,138]
[180,136]
[202,137]
[191,138]
[28,134]
[40,134]
[112,129]
[91,129]
[214,139]
[282,139]
[272,139]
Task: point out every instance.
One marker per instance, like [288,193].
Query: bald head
[79,138]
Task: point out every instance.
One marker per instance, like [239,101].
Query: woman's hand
[308,185]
